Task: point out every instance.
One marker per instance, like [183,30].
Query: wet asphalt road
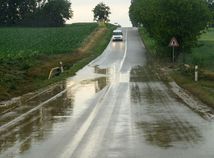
[116,107]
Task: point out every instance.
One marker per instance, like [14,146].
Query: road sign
[173,42]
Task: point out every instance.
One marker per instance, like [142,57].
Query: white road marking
[73,144]
[125,53]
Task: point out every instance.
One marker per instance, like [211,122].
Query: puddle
[38,126]
[124,77]
[77,94]
[111,107]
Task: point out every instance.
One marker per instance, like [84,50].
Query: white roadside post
[61,67]
[196,73]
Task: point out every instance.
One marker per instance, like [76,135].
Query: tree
[56,12]
[164,19]
[101,12]
[13,11]
[211,7]
[34,12]
[134,11]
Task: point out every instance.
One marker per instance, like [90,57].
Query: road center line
[125,53]
[71,147]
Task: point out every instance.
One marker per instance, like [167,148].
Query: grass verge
[29,73]
[93,47]
[18,43]
[204,89]
[204,54]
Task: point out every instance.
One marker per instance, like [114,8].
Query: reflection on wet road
[115,107]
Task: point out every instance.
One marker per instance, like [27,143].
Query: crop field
[28,54]
[204,54]
[18,43]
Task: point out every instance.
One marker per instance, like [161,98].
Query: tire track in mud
[185,129]
[179,129]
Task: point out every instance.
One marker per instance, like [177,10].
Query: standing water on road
[115,107]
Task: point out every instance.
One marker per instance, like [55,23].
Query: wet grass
[100,41]
[18,43]
[148,41]
[203,89]
[29,73]
[204,55]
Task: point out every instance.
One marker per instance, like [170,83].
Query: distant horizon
[83,11]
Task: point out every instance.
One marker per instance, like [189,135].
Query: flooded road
[116,107]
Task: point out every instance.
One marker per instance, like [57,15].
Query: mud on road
[115,107]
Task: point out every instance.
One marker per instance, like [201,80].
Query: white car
[117,35]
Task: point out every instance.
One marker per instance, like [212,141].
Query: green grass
[93,52]
[25,72]
[148,41]
[204,54]
[204,89]
[28,42]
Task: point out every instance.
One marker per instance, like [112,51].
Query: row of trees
[211,8]
[43,12]
[34,12]
[164,19]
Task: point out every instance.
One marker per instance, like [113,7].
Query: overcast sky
[83,11]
